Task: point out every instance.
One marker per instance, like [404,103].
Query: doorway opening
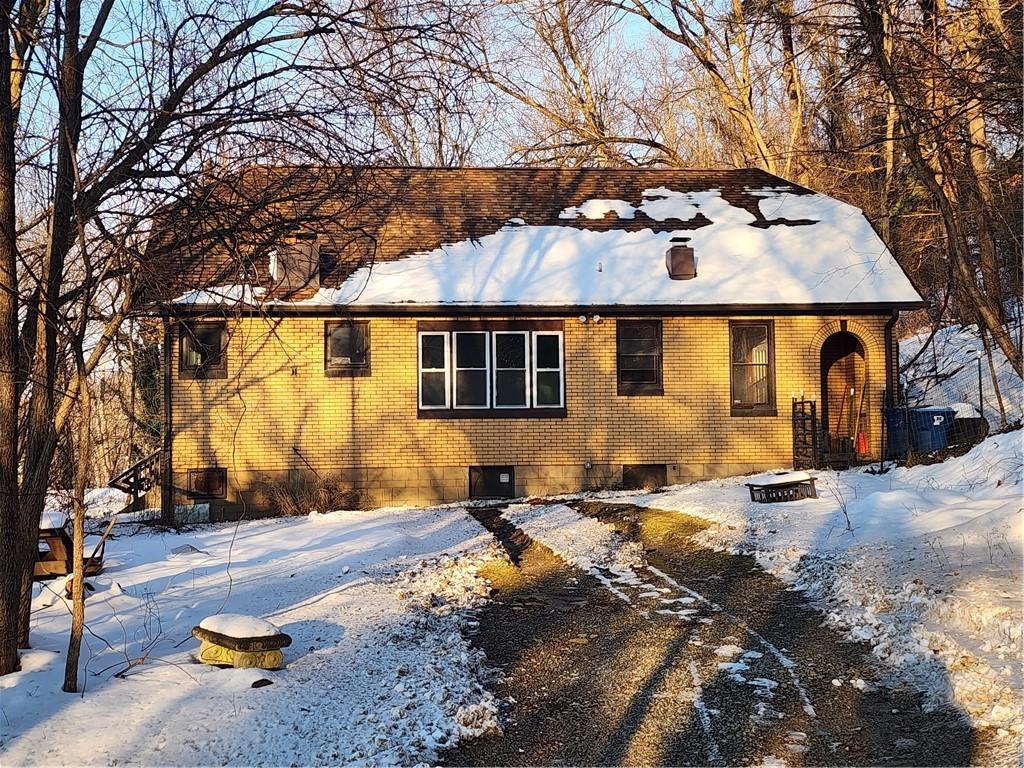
[844,398]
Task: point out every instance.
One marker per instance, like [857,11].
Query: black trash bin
[898,433]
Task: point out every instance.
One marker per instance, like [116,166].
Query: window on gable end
[202,350]
[639,357]
[347,348]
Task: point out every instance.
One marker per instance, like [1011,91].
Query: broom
[861,446]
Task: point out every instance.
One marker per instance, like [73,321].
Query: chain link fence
[953,392]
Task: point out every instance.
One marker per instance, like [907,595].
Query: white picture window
[434,360]
[486,370]
[511,369]
[548,379]
[472,369]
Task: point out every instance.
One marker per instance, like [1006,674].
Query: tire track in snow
[714,756]
[784,661]
[559,547]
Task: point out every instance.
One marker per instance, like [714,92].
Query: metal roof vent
[295,264]
[680,261]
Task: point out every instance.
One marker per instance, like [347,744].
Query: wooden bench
[56,556]
[785,486]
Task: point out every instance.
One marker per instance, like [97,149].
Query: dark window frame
[527,368]
[203,371]
[759,409]
[346,370]
[631,388]
[487,371]
[222,475]
[530,411]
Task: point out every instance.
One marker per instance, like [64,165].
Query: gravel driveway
[707,661]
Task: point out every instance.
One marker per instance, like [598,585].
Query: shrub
[323,494]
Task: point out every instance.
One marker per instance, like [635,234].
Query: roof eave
[531,310]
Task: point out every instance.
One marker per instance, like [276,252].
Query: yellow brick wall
[277,398]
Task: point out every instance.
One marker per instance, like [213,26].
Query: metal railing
[140,477]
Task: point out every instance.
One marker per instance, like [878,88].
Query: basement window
[752,368]
[347,348]
[208,483]
[202,351]
[492,482]
[640,476]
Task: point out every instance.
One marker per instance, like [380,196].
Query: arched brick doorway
[845,395]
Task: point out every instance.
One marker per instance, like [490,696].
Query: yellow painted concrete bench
[240,641]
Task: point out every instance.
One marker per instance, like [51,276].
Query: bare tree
[127,112]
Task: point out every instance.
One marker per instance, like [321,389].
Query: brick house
[504,332]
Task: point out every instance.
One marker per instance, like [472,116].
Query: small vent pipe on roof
[680,260]
[295,263]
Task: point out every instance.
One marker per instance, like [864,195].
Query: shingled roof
[369,218]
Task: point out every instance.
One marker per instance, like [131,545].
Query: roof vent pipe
[680,261]
[295,264]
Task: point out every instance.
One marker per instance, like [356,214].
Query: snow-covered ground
[948,373]
[100,503]
[922,563]
[379,671]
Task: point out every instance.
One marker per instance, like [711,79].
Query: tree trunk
[41,435]
[796,155]
[78,544]
[995,380]
[978,154]
[12,555]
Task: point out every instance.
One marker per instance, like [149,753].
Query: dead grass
[324,494]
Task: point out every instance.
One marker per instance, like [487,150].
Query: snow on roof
[807,249]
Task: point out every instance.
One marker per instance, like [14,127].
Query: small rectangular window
[201,351]
[511,358]
[547,374]
[638,348]
[492,482]
[208,483]
[637,476]
[347,348]
[752,368]
[434,369]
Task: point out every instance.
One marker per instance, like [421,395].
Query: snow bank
[922,563]
[379,671]
[100,503]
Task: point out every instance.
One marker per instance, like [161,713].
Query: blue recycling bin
[929,428]
[898,434]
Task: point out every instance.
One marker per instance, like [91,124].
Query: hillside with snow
[946,373]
